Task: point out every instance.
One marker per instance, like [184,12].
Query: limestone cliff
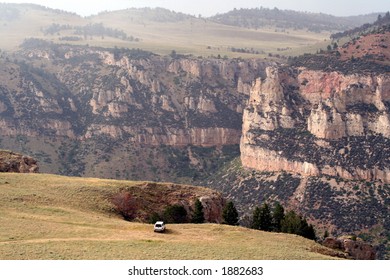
[122,113]
[319,123]
[81,93]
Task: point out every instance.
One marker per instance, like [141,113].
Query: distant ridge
[151,14]
[315,22]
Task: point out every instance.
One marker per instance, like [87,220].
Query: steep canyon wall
[80,93]
[319,123]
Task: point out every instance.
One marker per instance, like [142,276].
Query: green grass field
[55,217]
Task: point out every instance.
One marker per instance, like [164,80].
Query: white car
[159,226]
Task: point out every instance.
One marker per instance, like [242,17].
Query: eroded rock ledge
[312,123]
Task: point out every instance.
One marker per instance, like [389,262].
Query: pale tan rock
[331,100]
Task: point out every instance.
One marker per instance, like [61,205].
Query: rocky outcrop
[354,249]
[313,123]
[17,163]
[152,198]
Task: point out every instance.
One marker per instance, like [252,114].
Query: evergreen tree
[265,218]
[198,216]
[175,214]
[291,223]
[230,214]
[256,218]
[277,217]
[307,230]
[294,224]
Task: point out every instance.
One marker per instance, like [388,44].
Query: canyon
[258,131]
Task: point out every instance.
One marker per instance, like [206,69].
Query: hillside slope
[286,19]
[156,30]
[54,217]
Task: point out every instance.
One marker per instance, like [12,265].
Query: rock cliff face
[81,93]
[13,162]
[91,106]
[319,123]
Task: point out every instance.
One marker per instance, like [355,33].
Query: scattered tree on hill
[175,214]
[278,221]
[198,215]
[291,223]
[265,218]
[230,214]
[262,218]
[307,230]
[255,224]
[277,217]
[368,27]
[294,224]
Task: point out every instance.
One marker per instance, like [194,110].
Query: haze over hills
[157,30]
[149,94]
[287,19]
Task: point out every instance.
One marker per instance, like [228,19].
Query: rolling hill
[130,95]
[156,30]
[288,19]
[56,217]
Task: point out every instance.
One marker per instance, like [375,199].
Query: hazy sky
[212,7]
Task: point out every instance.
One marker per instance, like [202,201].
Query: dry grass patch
[56,217]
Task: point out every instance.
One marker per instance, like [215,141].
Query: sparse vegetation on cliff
[365,52]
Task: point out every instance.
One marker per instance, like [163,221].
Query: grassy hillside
[203,37]
[156,30]
[55,217]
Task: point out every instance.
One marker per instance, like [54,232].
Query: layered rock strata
[82,93]
[319,123]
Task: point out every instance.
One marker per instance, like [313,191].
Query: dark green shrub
[175,214]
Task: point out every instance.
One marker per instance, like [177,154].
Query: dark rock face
[12,162]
